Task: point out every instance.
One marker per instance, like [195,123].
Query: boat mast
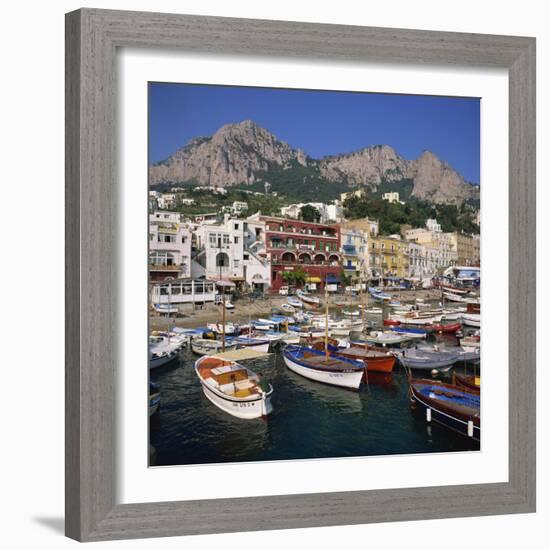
[169,308]
[326,318]
[223,293]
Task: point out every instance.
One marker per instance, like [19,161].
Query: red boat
[391,322]
[447,328]
[375,360]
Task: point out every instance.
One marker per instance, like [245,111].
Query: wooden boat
[162,351]
[375,360]
[473,341]
[252,342]
[233,388]
[449,405]
[305,331]
[470,382]
[166,309]
[450,328]
[351,312]
[154,398]
[204,346]
[454,297]
[294,302]
[320,367]
[308,298]
[428,359]
[391,322]
[471,319]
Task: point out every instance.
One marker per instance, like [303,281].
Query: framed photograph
[275,234]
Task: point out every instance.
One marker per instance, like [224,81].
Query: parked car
[284,291]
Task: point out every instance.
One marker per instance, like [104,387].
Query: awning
[313,279]
[224,283]
[333,279]
[237,278]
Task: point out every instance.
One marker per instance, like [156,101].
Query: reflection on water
[309,420]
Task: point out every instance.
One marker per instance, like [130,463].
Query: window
[236,240]
[183,239]
[225,238]
[246,256]
[212,240]
[236,226]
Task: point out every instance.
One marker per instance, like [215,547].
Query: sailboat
[320,366]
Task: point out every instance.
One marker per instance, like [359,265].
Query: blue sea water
[309,420]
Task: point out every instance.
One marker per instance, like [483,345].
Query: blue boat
[451,406]
[316,365]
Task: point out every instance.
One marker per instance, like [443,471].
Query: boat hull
[247,410]
[445,415]
[157,362]
[350,380]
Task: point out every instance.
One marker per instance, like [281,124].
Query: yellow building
[463,248]
[388,256]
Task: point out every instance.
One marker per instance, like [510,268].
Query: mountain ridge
[240,153]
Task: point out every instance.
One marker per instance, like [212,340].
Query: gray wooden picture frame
[92,39]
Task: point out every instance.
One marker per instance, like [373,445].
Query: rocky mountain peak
[237,151]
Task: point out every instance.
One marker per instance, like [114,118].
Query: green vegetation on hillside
[206,201]
[299,183]
[415,213]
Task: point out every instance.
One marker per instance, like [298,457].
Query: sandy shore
[246,309]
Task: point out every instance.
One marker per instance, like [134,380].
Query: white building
[432,237]
[392,197]
[238,206]
[167,201]
[233,251]
[169,247]
[328,212]
[355,253]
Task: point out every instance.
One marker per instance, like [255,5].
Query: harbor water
[309,419]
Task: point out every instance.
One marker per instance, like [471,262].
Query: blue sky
[320,122]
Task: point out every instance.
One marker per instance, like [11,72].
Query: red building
[312,247]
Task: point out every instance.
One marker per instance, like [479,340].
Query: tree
[309,213]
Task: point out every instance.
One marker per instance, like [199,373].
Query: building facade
[355,254]
[432,237]
[388,257]
[233,251]
[295,245]
[463,248]
[169,247]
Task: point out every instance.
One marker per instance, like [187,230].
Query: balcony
[164,268]
[349,250]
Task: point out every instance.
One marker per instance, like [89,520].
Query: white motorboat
[162,351]
[229,329]
[234,388]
